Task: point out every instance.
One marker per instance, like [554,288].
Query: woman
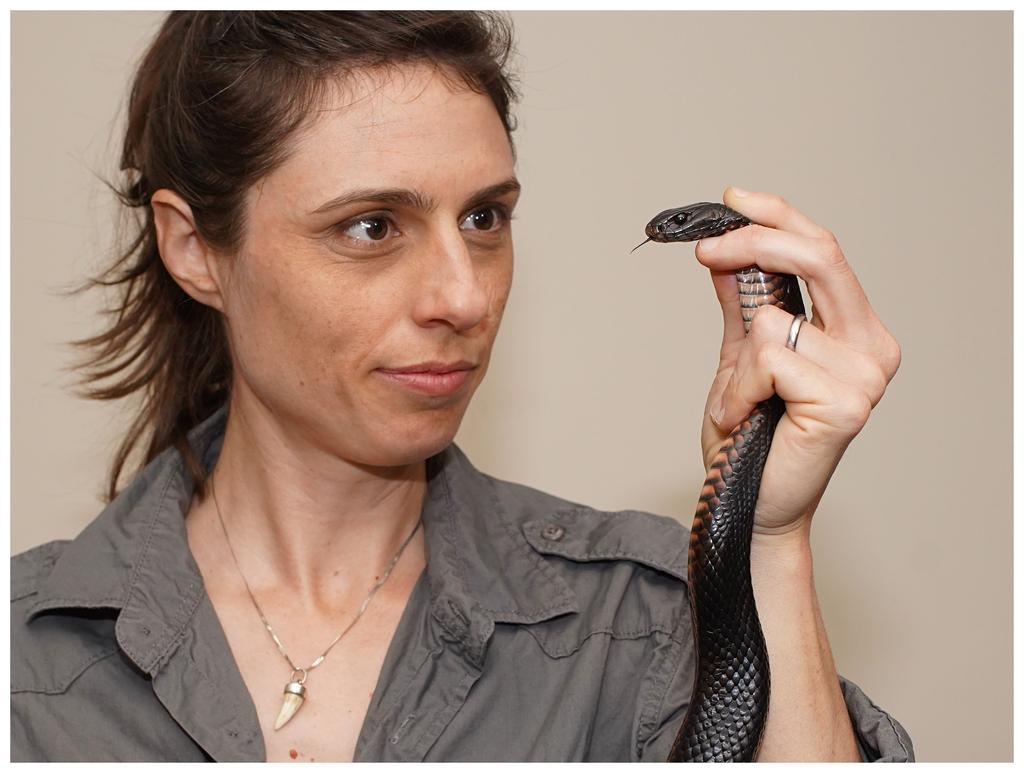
[307,567]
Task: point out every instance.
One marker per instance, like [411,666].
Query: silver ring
[794,331]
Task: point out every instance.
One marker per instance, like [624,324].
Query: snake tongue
[645,241]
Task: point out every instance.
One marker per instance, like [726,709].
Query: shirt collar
[135,557]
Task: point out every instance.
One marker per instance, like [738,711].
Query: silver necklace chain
[362,608]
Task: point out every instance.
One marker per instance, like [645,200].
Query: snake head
[694,222]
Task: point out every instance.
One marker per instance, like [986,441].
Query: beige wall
[891,129]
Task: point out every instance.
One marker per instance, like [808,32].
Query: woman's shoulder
[30,567]
[50,648]
[582,533]
[626,568]
[567,530]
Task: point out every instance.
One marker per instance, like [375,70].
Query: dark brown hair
[215,98]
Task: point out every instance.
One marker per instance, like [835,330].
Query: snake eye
[680,218]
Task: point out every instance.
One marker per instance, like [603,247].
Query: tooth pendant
[294,695]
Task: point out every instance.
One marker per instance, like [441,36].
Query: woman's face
[382,242]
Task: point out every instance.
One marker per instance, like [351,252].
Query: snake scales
[729,705]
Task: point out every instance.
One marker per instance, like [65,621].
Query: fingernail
[739,192]
[708,244]
[717,412]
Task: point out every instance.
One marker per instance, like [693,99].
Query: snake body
[729,705]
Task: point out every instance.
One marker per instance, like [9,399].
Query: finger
[727,291]
[865,372]
[838,297]
[772,211]
[815,400]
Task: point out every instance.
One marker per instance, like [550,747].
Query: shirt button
[553,532]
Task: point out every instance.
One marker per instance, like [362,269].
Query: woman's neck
[302,520]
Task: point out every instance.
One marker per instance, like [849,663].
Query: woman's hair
[213,102]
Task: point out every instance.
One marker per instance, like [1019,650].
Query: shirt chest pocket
[627,570]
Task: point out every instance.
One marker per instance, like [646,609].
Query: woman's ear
[189,260]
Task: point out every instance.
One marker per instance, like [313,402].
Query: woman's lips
[429,383]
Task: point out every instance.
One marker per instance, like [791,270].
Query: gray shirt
[540,629]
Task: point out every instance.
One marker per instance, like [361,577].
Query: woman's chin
[414,443]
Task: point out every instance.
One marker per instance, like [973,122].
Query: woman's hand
[843,362]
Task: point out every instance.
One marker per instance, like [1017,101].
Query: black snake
[729,705]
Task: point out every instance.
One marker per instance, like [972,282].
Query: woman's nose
[453,290]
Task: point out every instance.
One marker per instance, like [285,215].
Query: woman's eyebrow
[493,191]
[412,198]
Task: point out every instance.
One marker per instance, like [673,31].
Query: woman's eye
[484,219]
[368,229]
